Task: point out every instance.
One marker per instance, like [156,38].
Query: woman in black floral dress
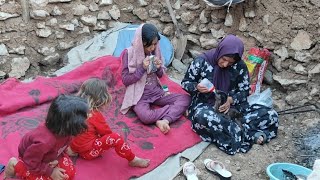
[228,73]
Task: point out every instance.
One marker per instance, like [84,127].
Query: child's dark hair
[149,33]
[96,92]
[67,115]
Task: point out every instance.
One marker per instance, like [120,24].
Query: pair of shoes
[217,168]
[257,136]
[190,171]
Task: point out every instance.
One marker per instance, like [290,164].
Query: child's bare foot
[70,152]
[139,162]
[9,171]
[163,125]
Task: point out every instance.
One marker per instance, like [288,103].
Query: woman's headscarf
[227,46]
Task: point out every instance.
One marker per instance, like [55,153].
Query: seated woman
[224,68]
[143,87]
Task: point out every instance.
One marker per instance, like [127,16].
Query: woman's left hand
[158,62]
[226,106]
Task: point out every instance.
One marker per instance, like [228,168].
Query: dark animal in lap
[233,114]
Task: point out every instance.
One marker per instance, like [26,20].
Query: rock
[301,41]
[59,1]
[204,28]
[56,11]
[286,82]
[114,12]
[101,26]
[168,30]
[2,2]
[129,8]
[315,2]
[19,66]
[2,74]
[41,25]
[39,14]
[46,32]
[105,2]
[266,19]
[179,66]
[302,56]
[143,3]
[38,3]
[250,14]
[93,7]
[188,17]
[46,51]
[69,27]
[243,24]
[282,52]
[193,39]
[314,91]
[65,45]
[207,42]
[4,16]
[297,98]
[187,61]
[80,10]
[154,13]
[229,20]
[3,50]
[280,104]
[18,50]
[85,30]
[50,60]
[104,15]
[177,5]
[193,28]
[191,6]
[299,69]
[217,34]
[141,13]
[310,122]
[315,70]
[52,22]
[203,18]
[194,53]
[89,20]
[59,34]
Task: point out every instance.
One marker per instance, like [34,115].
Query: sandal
[190,171]
[217,168]
[257,135]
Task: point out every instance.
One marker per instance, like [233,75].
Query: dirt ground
[297,142]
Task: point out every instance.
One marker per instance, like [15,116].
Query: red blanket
[23,106]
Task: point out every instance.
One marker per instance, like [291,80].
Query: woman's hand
[146,63]
[58,174]
[226,106]
[158,62]
[202,88]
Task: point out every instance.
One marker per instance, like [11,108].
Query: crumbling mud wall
[36,34]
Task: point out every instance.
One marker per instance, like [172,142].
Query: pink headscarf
[135,57]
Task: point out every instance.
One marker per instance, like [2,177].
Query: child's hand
[58,174]
[158,62]
[146,63]
[53,163]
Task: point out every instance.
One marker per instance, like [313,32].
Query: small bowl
[274,170]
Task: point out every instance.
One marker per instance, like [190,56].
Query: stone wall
[36,34]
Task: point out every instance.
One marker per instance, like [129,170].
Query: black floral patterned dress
[212,126]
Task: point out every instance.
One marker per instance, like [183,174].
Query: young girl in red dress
[99,137]
[41,151]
